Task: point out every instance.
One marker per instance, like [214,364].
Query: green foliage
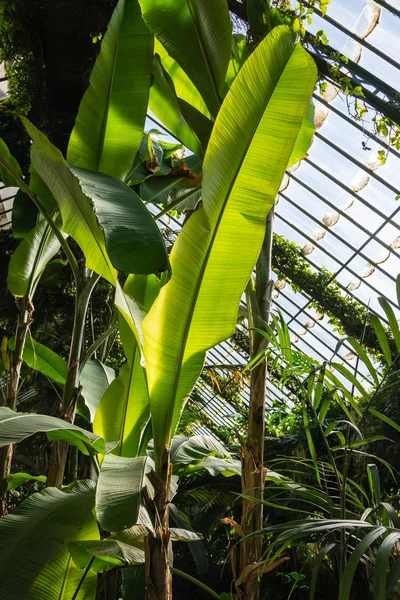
[18,49]
[174,360]
[111,117]
[40,526]
[345,313]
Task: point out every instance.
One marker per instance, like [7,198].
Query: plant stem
[158,574]
[23,323]
[195,581]
[86,283]
[63,242]
[175,203]
[258,296]
[90,351]
[83,579]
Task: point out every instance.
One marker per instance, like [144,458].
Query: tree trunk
[59,449]
[158,575]
[258,295]
[23,323]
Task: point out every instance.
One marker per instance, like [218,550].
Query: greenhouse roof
[340,203]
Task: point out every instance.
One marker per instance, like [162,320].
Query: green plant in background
[355,519]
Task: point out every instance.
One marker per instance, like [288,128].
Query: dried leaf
[253,570]
[236,526]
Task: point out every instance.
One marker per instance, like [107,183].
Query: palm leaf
[35,531]
[197,308]
[198,36]
[111,117]
[361,548]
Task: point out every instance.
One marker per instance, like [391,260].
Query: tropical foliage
[116,499]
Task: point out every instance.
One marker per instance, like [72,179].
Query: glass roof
[339,204]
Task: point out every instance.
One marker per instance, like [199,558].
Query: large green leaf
[122,548]
[17,479]
[133,240]
[35,531]
[60,577]
[198,36]
[183,86]
[30,258]
[192,129]
[357,555]
[95,379]
[43,359]
[213,257]
[79,219]
[24,215]
[119,490]
[202,452]
[10,171]
[124,409]
[15,427]
[111,117]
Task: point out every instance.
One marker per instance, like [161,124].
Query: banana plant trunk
[59,449]
[158,574]
[23,322]
[258,295]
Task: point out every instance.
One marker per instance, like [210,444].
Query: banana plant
[197,308]
[105,218]
[246,152]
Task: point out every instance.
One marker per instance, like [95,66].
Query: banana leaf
[15,427]
[24,215]
[133,240]
[198,36]
[95,379]
[79,219]
[183,86]
[10,171]
[172,111]
[213,257]
[43,359]
[124,409]
[35,531]
[60,577]
[121,548]
[31,257]
[111,117]
[119,490]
